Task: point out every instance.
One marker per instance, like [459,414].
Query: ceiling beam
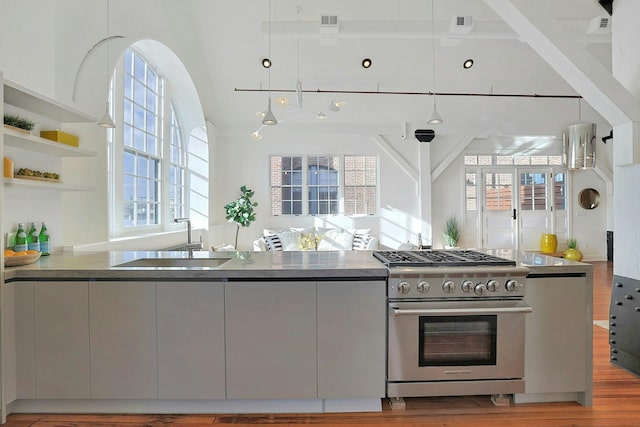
[453,154]
[576,65]
[397,157]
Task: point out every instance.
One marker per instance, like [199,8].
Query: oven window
[457,340]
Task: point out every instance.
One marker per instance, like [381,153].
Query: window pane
[286,185]
[470,160]
[559,190]
[498,188]
[129,163]
[322,172]
[360,185]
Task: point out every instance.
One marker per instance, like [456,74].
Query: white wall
[242,161]
[55,36]
[626,68]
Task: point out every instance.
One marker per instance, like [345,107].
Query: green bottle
[44,239]
[33,241]
[21,239]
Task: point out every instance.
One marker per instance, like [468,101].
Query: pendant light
[106,121]
[269,119]
[435,119]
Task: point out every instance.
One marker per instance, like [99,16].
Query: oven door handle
[459,311]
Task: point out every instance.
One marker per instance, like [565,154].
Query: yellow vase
[548,243]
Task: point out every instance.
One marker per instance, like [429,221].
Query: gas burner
[438,258]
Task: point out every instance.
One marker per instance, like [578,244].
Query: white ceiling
[396,35]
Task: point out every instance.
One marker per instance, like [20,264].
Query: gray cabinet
[51,340]
[25,350]
[191,347]
[123,340]
[558,342]
[271,340]
[62,340]
[351,339]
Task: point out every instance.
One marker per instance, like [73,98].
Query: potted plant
[451,232]
[572,253]
[240,211]
[19,123]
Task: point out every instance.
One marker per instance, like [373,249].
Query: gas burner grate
[436,258]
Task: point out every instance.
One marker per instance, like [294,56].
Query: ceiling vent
[329,24]
[600,25]
[425,135]
[461,25]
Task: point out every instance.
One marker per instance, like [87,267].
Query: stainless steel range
[456,322]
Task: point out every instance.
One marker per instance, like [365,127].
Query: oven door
[456,340]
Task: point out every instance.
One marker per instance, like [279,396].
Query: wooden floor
[616,401]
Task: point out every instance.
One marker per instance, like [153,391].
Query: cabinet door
[271,340]
[62,340]
[123,340]
[351,339]
[191,340]
[557,349]
[25,380]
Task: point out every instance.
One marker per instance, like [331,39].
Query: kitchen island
[559,331]
[245,332]
[222,332]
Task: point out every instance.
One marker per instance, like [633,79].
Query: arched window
[149,151]
[177,165]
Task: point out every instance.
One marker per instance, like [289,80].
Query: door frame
[516,170]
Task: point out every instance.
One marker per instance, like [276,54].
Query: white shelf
[57,186]
[30,142]
[22,97]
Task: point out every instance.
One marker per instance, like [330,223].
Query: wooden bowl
[13,261]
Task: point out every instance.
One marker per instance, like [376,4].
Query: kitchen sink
[174,262]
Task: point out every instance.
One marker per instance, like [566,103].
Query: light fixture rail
[387,92]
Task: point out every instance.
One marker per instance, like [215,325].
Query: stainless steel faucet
[188,221]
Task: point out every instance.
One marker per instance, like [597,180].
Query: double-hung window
[149,152]
[142,142]
[324,185]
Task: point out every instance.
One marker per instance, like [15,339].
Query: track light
[266,62]
[282,101]
[366,63]
[467,64]
[257,136]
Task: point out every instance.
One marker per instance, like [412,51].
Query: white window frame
[116,152]
[341,184]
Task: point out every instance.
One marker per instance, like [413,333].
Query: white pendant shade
[106,121]
[269,118]
[435,119]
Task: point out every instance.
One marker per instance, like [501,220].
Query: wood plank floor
[616,401]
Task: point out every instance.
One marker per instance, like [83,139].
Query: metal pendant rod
[377,92]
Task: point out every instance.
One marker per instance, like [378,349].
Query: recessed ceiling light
[467,64]
[366,63]
[266,62]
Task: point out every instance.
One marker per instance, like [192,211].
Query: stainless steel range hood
[579,146]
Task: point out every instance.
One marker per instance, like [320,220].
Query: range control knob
[467,286]
[513,285]
[492,285]
[403,287]
[423,287]
[480,289]
[448,286]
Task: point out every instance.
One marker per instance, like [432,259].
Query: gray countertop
[248,265]
[241,265]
